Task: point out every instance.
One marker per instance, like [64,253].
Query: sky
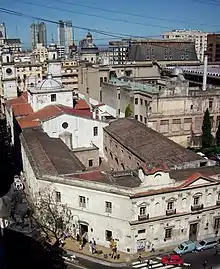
[144,18]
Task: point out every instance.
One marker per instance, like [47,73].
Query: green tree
[217,136]
[128,111]
[51,216]
[207,139]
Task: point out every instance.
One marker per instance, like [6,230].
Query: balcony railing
[197,207]
[143,217]
[170,212]
[218,202]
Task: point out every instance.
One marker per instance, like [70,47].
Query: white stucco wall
[39,101]
[80,128]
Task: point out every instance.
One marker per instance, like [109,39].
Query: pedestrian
[139,257]
[211,267]
[150,263]
[205,264]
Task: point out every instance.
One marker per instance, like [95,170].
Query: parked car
[69,257]
[172,259]
[206,244]
[185,247]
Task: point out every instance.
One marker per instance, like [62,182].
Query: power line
[94,15]
[131,14]
[119,35]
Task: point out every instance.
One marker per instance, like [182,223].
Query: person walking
[205,264]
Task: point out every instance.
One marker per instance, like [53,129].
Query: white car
[69,257]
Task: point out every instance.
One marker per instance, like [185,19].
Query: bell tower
[8,75]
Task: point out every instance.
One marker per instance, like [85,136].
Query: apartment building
[214,48]
[69,73]
[199,37]
[171,107]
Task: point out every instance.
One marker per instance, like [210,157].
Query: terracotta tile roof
[150,146]
[20,106]
[51,112]
[81,104]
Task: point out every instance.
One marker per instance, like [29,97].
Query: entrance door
[193,230]
[84,231]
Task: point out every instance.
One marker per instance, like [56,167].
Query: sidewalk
[72,246]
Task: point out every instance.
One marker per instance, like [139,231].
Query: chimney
[205,71]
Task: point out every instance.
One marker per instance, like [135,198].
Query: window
[169,205]
[217,223]
[141,118]
[108,207]
[145,120]
[65,125]
[141,231]
[145,103]
[219,196]
[119,96]
[196,201]
[53,97]
[82,201]
[141,101]
[90,163]
[101,81]
[168,233]
[116,159]
[136,101]
[142,210]
[136,117]
[210,104]
[58,196]
[105,79]
[108,235]
[119,111]
[191,107]
[92,59]
[95,131]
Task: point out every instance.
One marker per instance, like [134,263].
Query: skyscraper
[42,34]
[38,34]
[65,34]
[2,31]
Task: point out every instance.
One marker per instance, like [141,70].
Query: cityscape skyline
[144,24]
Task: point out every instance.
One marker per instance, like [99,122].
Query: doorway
[193,231]
[84,231]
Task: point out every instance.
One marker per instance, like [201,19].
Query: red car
[172,259]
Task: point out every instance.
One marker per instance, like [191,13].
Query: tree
[128,111]
[207,138]
[217,136]
[51,216]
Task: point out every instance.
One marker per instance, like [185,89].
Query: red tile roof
[51,112]
[81,104]
[20,106]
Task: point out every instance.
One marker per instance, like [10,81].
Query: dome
[49,84]
[177,71]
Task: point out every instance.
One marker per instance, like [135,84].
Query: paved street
[192,261]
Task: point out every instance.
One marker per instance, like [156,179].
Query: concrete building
[214,48]
[119,51]
[88,51]
[151,205]
[91,78]
[41,53]
[69,72]
[170,106]
[199,37]
[65,34]
[38,34]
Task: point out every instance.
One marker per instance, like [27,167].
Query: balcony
[143,217]
[197,207]
[218,202]
[170,212]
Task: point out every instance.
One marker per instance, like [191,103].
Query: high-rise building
[2,31]
[42,34]
[38,34]
[213,48]
[198,37]
[65,34]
